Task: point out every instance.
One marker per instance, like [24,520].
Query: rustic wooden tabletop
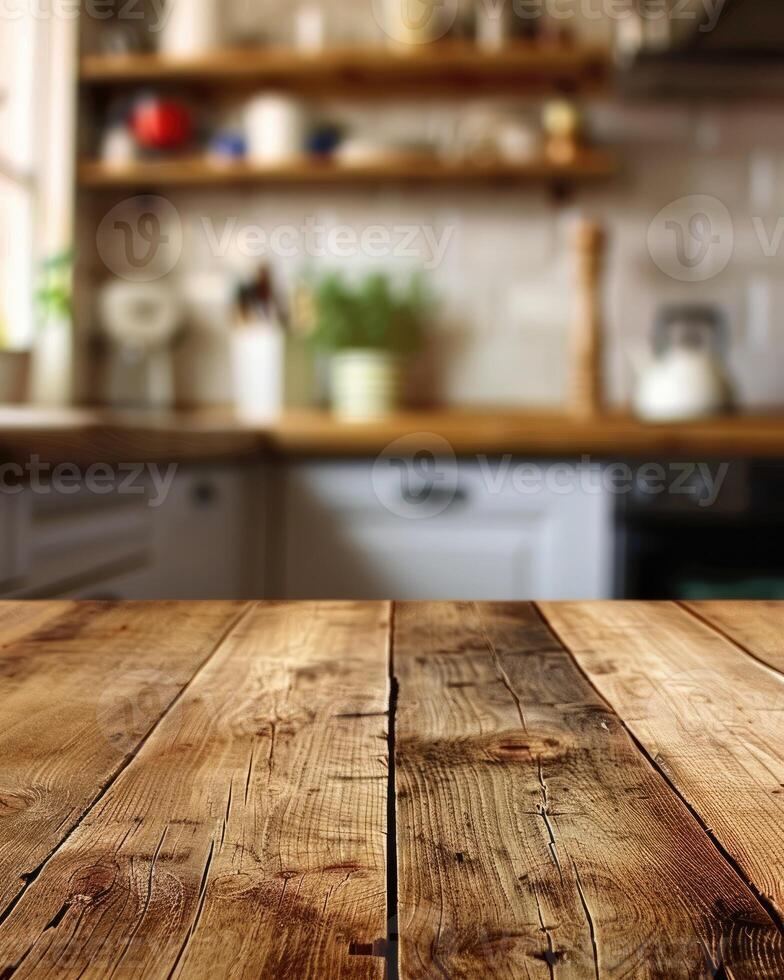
[296,790]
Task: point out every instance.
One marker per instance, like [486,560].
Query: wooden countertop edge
[83,436]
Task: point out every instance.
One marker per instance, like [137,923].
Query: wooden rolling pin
[586,387]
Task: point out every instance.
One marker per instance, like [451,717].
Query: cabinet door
[201,539]
[209,534]
[14,517]
[359,531]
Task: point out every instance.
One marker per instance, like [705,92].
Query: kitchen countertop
[226,789]
[84,435]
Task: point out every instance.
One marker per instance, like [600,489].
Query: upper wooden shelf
[450,67]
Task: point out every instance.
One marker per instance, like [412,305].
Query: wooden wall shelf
[591,165]
[446,67]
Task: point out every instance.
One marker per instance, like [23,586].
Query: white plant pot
[52,364]
[366,384]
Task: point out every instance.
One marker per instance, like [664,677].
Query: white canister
[258,364]
[309,29]
[190,27]
[52,364]
[275,128]
[366,384]
[492,26]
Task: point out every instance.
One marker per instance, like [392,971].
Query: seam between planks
[393,938]
[715,628]
[766,904]
[30,877]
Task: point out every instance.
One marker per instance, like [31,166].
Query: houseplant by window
[370,329]
[52,354]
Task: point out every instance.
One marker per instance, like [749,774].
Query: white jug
[686,378]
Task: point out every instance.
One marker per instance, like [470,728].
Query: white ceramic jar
[366,384]
[258,362]
[275,129]
[190,27]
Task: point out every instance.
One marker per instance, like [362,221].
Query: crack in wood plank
[502,674]
[680,634]
[544,812]
[589,918]
[199,910]
[30,877]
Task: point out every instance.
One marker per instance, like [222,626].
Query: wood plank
[710,716]
[90,435]
[758,627]
[198,172]
[81,684]
[534,433]
[453,68]
[534,839]
[247,837]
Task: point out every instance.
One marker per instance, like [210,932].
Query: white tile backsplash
[505,280]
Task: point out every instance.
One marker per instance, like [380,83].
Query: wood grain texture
[758,627]
[94,435]
[247,836]
[198,172]
[534,839]
[709,715]
[80,687]
[454,68]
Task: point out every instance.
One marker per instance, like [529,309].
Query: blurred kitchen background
[423,299]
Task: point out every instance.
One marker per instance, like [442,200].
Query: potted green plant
[369,328]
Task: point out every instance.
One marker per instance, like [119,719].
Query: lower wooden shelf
[201,172]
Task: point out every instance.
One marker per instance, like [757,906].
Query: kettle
[687,377]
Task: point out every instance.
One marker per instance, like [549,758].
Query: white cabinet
[201,539]
[209,538]
[463,531]
[12,543]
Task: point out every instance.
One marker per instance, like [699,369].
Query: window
[18,178]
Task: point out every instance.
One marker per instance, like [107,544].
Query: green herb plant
[370,315]
[54,294]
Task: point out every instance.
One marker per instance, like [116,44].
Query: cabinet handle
[433,494]
[204,494]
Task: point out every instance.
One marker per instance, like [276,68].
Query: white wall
[506,280]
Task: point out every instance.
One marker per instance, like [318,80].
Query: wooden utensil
[586,390]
